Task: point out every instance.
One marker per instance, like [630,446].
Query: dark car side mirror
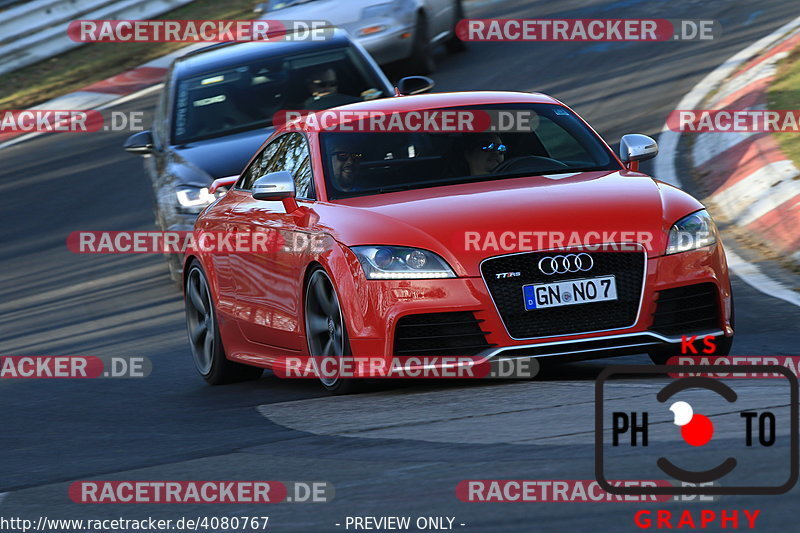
[276,186]
[414,85]
[139,143]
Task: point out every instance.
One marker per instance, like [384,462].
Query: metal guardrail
[8,3]
[37,29]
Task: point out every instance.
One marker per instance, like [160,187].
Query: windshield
[244,97]
[556,142]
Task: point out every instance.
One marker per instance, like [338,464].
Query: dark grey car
[218,104]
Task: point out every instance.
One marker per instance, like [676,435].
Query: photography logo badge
[738,434]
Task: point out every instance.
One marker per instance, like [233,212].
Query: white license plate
[572,292]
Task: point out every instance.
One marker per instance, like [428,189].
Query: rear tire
[421,61]
[454,45]
[204,338]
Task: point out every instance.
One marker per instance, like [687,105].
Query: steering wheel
[529,162]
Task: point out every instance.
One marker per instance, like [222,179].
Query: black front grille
[685,309]
[627,267]
[457,333]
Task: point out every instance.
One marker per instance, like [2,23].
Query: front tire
[204,338]
[174,265]
[326,332]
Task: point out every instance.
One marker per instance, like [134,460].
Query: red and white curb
[751,182]
[109,92]
[743,169]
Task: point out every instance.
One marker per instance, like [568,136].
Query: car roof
[429,101]
[222,55]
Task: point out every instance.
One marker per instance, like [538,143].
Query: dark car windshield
[244,97]
[556,141]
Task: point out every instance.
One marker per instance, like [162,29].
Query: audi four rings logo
[561,264]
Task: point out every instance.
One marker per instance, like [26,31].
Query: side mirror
[414,85]
[225,182]
[276,186]
[635,147]
[139,143]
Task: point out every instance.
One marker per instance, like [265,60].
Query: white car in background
[396,30]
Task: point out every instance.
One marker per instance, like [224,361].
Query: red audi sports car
[513,233]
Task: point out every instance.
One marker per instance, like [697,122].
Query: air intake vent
[683,310]
[457,333]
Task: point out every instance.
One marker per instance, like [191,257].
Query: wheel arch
[208,269]
[342,267]
[188,261]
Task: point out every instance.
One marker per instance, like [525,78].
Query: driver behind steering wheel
[484,152]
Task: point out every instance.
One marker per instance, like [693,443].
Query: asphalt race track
[399,449]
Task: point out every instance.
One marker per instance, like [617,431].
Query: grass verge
[784,93]
[94,62]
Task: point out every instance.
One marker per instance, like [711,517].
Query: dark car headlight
[691,232]
[400,262]
[193,199]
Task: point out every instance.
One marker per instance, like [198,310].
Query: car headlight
[193,199]
[398,262]
[691,232]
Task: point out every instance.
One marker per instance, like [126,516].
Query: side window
[288,152]
[304,181]
[266,162]
[297,161]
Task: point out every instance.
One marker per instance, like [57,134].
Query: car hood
[465,223]
[223,156]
